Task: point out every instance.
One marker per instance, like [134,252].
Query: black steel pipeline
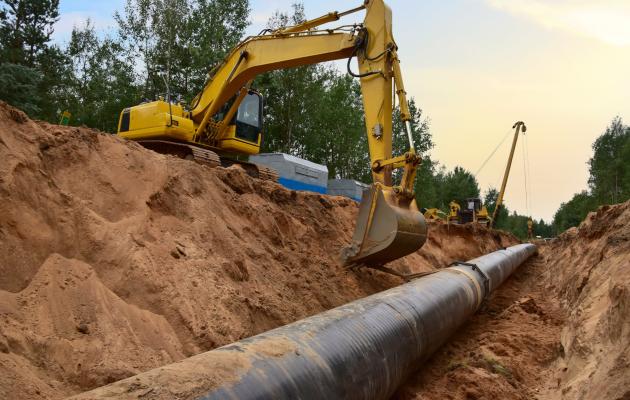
[361,350]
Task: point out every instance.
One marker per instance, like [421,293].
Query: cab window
[249,110]
[249,118]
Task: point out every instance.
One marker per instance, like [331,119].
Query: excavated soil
[115,260]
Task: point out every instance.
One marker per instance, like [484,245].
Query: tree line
[314,112]
[609,177]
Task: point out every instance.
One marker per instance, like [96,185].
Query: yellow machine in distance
[224,120]
[475,212]
[434,214]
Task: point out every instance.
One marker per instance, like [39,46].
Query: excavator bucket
[384,231]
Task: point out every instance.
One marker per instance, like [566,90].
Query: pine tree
[31,67]
[25,28]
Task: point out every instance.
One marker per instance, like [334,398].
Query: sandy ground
[115,260]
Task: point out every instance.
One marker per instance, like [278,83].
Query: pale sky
[477,66]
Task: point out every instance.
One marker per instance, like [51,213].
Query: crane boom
[518,127]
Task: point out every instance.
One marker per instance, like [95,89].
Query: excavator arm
[389,224]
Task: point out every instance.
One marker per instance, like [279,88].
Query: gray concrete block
[295,173]
[347,187]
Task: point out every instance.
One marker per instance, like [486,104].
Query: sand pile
[115,260]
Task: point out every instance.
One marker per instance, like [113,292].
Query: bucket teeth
[384,231]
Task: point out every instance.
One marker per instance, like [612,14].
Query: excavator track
[205,156]
[267,174]
[253,170]
[208,157]
[183,150]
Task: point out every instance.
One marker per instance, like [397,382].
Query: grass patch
[455,364]
[496,367]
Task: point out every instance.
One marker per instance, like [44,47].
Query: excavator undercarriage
[208,156]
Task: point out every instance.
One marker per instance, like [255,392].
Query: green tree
[420,133]
[543,229]
[216,26]
[25,28]
[429,181]
[98,70]
[28,61]
[425,185]
[459,185]
[490,201]
[336,135]
[55,70]
[514,222]
[182,39]
[574,211]
[18,87]
[609,180]
[316,112]
[609,169]
[292,97]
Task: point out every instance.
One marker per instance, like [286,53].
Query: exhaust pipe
[361,350]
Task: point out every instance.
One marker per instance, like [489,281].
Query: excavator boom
[389,225]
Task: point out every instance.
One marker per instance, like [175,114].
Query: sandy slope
[116,260]
[589,269]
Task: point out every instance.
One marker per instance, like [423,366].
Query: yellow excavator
[225,120]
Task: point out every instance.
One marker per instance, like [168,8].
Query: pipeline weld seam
[474,281]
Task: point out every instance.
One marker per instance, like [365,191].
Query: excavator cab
[244,134]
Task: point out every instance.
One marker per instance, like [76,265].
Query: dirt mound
[115,259]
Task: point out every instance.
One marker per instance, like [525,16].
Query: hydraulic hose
[362,350]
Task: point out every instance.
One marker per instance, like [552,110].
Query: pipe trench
[361,350]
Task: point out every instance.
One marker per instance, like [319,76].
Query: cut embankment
[115,260]
[589,269]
